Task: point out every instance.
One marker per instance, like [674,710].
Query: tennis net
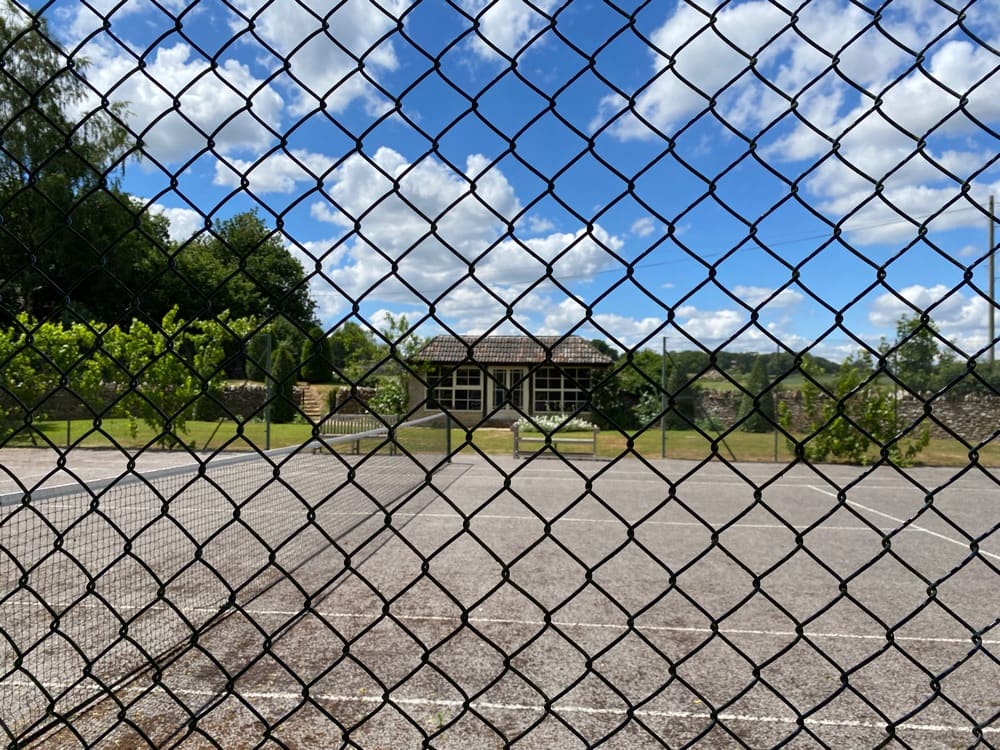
[103,579]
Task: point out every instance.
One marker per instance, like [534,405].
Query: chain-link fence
[498,374]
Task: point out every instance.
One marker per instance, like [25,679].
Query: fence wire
[751,242]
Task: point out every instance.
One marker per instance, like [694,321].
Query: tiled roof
[513,350]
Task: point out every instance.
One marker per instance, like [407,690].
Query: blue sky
[670,187]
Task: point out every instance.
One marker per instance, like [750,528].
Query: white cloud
[959,317]
[223,99]
[326,49]
[756,296]
[692,62]
[449,244]
[83,19]
[710,325]
[225,103]
[571,315]
[324,212]
[184,222]
[537,225]
[970,251]
[507,25]
[712,328]
[276,173]
[643,227]
[704,54]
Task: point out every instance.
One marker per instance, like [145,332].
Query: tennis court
[619,604]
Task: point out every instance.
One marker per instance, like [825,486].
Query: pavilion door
[509,388]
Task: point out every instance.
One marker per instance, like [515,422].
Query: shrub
[390,397]
[854,418]
[315,358]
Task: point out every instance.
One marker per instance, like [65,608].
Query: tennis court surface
[501,603]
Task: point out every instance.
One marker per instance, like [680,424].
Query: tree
[619,390]
[39,359]
[402,348]
[315,357]
[273,357]
[63,216]
[353,351]
[284,365]
[757,404]
[914,357]
[167,368]
[852,419]
[242,266]
[154,373]
[390,399]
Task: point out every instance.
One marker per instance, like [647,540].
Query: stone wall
[347,400]
[243,400]
[246,401]
[973,418]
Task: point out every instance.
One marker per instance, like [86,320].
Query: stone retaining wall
[973,418]
[244,400]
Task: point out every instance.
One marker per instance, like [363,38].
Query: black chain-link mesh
[769,220]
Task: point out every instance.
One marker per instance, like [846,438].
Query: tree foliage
[681,401]
[315,364]
[914,358]
[389,398]
[855,421]
[284,366]
[154,373]
[353,352]
[273,357]
[619,390]
[37,360]
[757,404]
[244,267]
[400,357]
[68,233]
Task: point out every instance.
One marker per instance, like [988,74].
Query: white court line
[614,479]
[367,616]
[577,519]
[622,626]
[914,526]
[559,709]
[598,483]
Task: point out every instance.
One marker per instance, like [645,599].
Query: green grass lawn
[693,445]
[199,435]
[682,444]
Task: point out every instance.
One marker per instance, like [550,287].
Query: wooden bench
[579,446]
[339,425]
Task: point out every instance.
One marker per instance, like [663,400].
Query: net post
[447,437]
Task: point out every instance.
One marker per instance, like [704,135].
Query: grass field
[683,444]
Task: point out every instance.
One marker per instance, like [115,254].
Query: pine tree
[760,417]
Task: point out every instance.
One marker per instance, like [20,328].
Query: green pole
[663,399]
[774,412]
[267,391]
